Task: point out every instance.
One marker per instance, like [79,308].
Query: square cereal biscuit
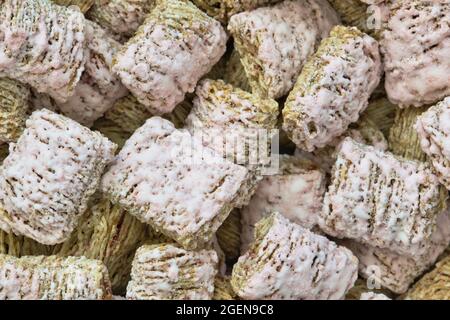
[49,175]
[159,177]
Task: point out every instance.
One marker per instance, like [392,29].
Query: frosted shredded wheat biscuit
[98,88]
[416,47]
[289,262]
[433,130]
[52,278]
[171,51]
[381,200]
[159,177]
[49,175]
[224,115]
[274,42]
[42,45]
[333,89]
[168,272]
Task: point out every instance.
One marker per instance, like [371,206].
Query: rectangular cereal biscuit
[49,175]
[381,200]
[289,262]
[333,88]
[167,272]
[43,45]
[274,42]
[175,46]
[166,178]
[53,278]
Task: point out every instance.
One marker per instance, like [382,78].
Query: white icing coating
[167,272]
[49,175]
[171,51]
[433,129]
[416,47]
[274,42]
[396,272]
[42,44]
[98,88]
[373,296]
[297,193]
[165,177]
[381,200]
[52,278]
[290,262]
[333,88]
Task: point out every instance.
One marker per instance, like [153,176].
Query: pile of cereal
[225,150]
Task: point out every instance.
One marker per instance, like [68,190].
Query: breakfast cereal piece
[53,278]
[230,121]
[84,5]
[171,51]
[49,175]
[222,10]
[384,268]
[434,285]
[416,46]
[14,106]
[403,138]
[167,272]
[333,89]
[382,113]
[192,188]
[381,200]
[275,42]
[235,72]
[288,261]
[433,131]
[373,296]
[98,88]
[42,45]
[223,289]
[107,233]
[229,236]
[120,17]
[296,192]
